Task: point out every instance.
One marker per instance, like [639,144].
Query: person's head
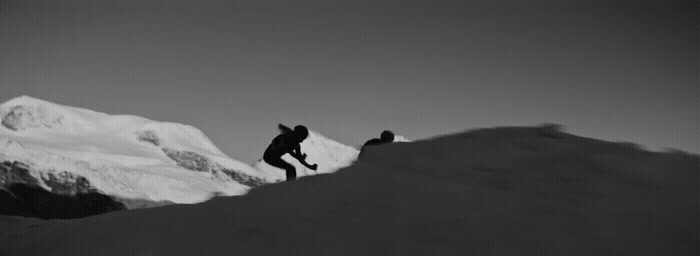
[300,132]
[387,136]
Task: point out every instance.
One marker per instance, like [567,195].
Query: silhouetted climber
[386,137]
[288,142]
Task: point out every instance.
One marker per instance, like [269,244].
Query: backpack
[284,129]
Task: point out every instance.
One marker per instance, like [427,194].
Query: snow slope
[120,155]
[504,191]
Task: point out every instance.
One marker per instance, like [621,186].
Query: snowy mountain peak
[25,115]
[25,112]
[26,101]
[121,155]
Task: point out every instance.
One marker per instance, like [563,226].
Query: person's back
[372,142]
[280,145]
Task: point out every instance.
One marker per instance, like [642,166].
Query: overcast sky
[613,70]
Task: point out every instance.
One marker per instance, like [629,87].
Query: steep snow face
[330,156]
[126,156]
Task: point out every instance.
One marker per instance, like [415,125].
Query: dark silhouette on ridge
[288,142]
[386,137]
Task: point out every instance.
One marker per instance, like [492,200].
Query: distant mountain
[68,150]
[141,162]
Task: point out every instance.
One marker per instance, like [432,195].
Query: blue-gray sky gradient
[614,70]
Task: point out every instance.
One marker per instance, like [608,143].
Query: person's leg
[279,163]
[291,172]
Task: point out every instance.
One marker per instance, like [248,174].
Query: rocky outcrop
[243,178]
[199,163]
[66,183]
[148,137]
[71,195]
[190,160]
[23,117]
[16,172]
[33,201]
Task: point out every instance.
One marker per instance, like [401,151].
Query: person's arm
[296,153]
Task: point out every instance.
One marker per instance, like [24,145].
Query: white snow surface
[399,138]
[124,155]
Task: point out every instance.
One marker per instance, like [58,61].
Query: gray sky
[613,70]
